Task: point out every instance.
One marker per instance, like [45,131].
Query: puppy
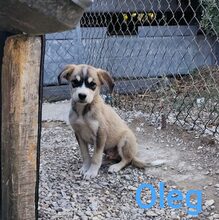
[96,123]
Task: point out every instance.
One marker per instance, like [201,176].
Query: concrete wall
[155,51]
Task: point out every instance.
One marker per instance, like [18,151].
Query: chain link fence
[163,55]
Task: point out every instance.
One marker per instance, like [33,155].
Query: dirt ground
[190,162]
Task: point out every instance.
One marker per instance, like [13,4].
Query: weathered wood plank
[20,87]
[40,17]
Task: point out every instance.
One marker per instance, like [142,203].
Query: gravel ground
[191,162]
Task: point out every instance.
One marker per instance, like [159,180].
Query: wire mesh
[163,55]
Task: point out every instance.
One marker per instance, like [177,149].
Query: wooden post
[20,102]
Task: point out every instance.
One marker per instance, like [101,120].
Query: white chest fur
[85,125]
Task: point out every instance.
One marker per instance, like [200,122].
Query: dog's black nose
[82,96]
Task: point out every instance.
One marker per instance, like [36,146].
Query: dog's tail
[136,162]
[142,164]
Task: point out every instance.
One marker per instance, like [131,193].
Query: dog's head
[85,81]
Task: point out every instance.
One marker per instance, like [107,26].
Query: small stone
[209,202]
[94,205]
[206,213]
[217,185]
[155,210]
[127,177]
[174,216]
[151,213]
[132,188]
[216,216]
[107,192]
[104,183]
[88,213]
[171,183]
[84,217]
[160,211]
[217,172]
[59,209]
[108,215]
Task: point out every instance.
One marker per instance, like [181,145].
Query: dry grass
[190,100]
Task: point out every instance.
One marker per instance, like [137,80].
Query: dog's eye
[92,85]
[76,83]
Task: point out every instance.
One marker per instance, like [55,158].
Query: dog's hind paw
[114,168]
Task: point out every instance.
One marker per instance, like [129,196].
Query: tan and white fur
[96,123]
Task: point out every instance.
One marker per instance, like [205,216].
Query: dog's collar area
[73,107]
[86,108]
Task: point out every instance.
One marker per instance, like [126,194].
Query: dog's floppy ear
[105,78]
[66,73]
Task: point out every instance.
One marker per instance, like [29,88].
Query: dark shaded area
[3,37]
[126,23]
[43,42]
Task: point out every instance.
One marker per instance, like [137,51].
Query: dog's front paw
[114,168]
[84,168]
[92,172]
